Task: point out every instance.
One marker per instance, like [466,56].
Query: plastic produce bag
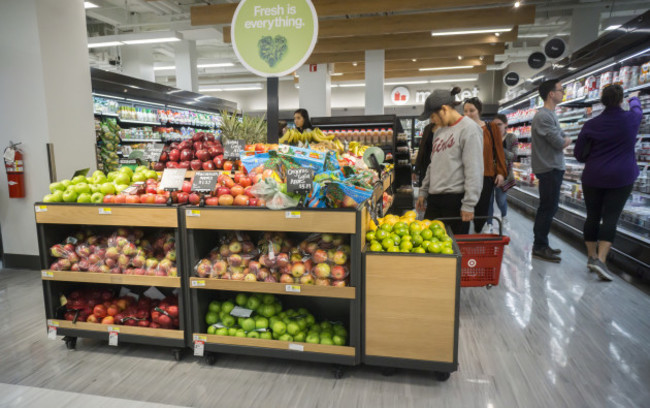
[270,191]
[326,259]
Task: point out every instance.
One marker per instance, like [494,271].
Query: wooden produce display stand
[55,221]
[410,309]
[203,226]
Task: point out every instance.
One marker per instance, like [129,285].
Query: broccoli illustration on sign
[272,49]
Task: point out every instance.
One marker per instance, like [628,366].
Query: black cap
[435,101]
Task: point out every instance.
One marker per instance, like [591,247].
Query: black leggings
[447,205]
[604,204]
[483,206]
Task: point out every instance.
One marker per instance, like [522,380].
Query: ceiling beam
[407,74]
[400,65]
[223,13]
[407,54]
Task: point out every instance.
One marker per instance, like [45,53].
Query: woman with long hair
[301,120]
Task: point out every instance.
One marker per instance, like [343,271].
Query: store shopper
[494,162]
[547,160]
[454,177]
[510,150]
[424,152]
[606,145]
[301,120]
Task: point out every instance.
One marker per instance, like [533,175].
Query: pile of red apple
[235,190]
[101,306]
[127,252]
[201,152]
[149,192]
[322,259]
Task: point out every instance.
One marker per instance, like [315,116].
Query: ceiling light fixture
[460,57]
[88,5]
[443,68]
[414,60]
[613,27]
[497,34]
[104,44]
[406,83]
[481,58]
[440,81]
[336,74]
[217,65]
[151,40]
[351,85]
[234,89]
[517,4]
[477,31]
[354,64]
[164,68]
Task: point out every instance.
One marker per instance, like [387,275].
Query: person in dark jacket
[606,146]
[424,152]
[510,149]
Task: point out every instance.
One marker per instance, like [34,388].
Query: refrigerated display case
[613,59]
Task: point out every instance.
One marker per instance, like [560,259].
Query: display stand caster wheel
[339,372]
[388,371]
[178,354]
[441,375]
[210,358]
[488,286]
[70,342]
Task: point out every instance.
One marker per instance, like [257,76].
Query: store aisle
[548,336]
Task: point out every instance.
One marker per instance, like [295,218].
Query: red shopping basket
[481,257]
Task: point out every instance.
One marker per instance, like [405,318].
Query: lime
[401,231]
[415,227]
[416,239]
[376,247]
[395,238]
[386,227]
[427,234]
[447,238]
[406,245]
[393,249]
[439,233]
[370,236]
[400,225]
[381,234]
[406,238]
[447,251]
[404,250]
[425,244]
[434,248]
[387,243]
[419,250]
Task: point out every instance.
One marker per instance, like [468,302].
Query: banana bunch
[293,136]
[356,149]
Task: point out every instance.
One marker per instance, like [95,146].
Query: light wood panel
[223,13]
[276,344]
[406,54]
[113,214]
[410,307]
[279,288]
[134,330]
[365,221]
[109,278]
[341,222]
[401,65]
[355,76]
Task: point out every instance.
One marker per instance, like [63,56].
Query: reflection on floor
[550,335]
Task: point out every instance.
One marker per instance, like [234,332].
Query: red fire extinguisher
[15,171]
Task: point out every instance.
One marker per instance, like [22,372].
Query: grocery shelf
[276,344]
[114,279]
[277,288]
[638,88]
[576,100]
[520,121]
[106,114]
[338,221]
[141,140]
[121,329]
[139,122]
[135,215]
[570,118]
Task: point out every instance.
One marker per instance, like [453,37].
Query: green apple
[338,340]
[214,306]
[151,174]
[293,328]
[94,188]
[139,177]
[376,247]
[261,322]
[227,306]
[232,331]
[313,338]
[253,303]
[302,323]
[212,329]
[327,341]
[79,179]
[315,329]
[278,307]
[107,188]
[300,337]
[58,196]
[240,321]
[97,198]
[99,179]
[80,188]
[50,198]
[66,183]
[275,336]
[253,335]
[339,330]
[266,335]
[140,169]
[228,321]
[212,318]
[279,327]
[248,324]
[122,178]
[69,196]
[286,337]
[241,299]
[266,310]
[84,198]
[222,331]
[240,333]
[56,186]
[310,319]
[111,175]
[121,187]
[126,170]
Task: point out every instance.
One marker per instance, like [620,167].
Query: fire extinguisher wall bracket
[15,167]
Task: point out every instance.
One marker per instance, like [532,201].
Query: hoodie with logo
[456,163]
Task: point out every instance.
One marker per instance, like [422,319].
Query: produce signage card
[233,148]
[82,172]
[153,151]
[205,181]
[273,38]
[300,180]
[172,179]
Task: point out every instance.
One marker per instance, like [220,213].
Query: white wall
[45,96]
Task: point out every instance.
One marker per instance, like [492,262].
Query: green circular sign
[273,38]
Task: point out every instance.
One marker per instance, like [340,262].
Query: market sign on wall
[421,96]
[400,95]
[273,38]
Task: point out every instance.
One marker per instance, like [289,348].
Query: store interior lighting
[164,68]
[104,44]
[231,88]
[89,5]
[613,27]
[445,68]
[517,4]
[145,37]
[474,31]
[217,65]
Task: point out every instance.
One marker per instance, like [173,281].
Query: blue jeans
[549,198]
[501,197]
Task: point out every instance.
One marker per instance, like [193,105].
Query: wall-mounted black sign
[536,60]
[555,48]
[511,78]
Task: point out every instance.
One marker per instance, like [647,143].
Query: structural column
[584,27]
[45,97]
[315,89]
[374,82]
[137,61]
[187,77]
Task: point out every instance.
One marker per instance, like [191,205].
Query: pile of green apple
[269,321]
[82,189]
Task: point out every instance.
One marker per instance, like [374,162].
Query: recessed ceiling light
[517,3]
[443,68]
[477,31]
[354,64]
[481,58]
[218,65]
[88,5]
[350,85]
[164,68]
[414,60]
[336,74]
[104,44]
[460,57]
[497,34]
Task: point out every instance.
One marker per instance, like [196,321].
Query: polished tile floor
[548,336]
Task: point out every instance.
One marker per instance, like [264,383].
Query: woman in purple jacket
[606,146]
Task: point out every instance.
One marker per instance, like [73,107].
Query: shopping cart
[481,256]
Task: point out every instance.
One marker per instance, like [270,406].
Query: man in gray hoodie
[454,179]
[547,159]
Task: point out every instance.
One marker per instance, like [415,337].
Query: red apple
[225,180]
[197,146]
[226,199]
[148,198]
[186,155]
[100,311]
[159,166]
[174,155]
[208,165]
[212,201]
[227,165]
[183,197]
[222,191]
[187,186]
[285,278]
[245,181]
[184,165]
[203,155]
[132,199]
[160,199]
[112,310]
[196,164]
[119,199]
[92,319]
[252,202]
[241,200]
[171,165]
[194,199]
[237,190]
[164,156]
[218,162]
[109,198]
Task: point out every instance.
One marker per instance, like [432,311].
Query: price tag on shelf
[47,274]
[198,283]
[300,180]
[82,172]
[193,213]
[232,149]
[105,211]
[53,323]
[199,348]
[292,288]
[112,338]
[51,332]
[172,179]
[241,312]
[292,214]
[200,337]
[154,293]
[296,347]
[40,208]
[205,181]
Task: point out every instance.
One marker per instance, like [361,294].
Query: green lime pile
[269,321]
[418,237]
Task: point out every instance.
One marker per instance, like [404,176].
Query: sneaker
[590,264]
[546,254]
[601,269]
[487,229]
[505,222]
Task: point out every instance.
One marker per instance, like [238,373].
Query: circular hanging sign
[274,38]
[511,78]
[555,48]
[400,95]
[536,60]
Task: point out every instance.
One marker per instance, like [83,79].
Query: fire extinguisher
[15,171]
